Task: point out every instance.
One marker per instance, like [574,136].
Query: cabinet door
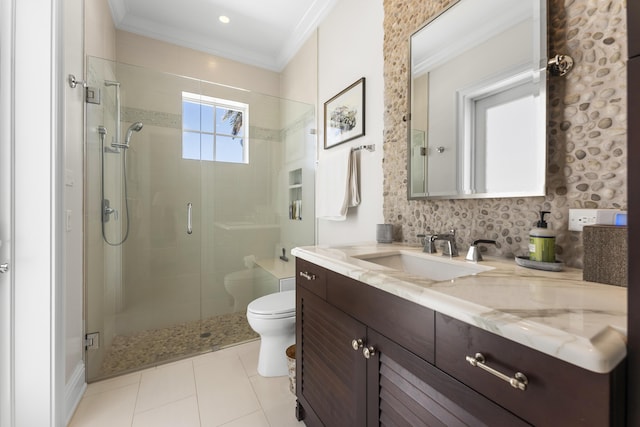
[331,375]
[405,390]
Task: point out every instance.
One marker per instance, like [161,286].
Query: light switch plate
[68,220]
[69,181]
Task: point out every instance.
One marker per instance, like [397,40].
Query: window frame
[217,103]
[512,82]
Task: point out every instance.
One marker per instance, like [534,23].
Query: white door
[30,373]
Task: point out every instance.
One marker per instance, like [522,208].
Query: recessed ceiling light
[224,19]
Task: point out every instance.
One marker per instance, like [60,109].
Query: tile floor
[222,388]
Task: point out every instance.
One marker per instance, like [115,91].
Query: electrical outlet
[578,218]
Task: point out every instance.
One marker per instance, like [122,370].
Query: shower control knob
[111,211]
[4,268]
[357,344]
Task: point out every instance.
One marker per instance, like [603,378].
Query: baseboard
[74,390]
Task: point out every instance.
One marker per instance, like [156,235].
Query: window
[495,126]
[214,129]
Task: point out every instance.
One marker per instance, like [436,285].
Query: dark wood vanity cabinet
[349,373]
[365,357]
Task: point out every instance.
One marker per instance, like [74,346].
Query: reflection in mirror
[477,122]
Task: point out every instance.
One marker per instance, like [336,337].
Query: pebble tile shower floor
[151,347]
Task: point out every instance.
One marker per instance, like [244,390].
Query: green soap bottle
[542,242]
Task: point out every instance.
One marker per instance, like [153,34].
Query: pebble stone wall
[586,133]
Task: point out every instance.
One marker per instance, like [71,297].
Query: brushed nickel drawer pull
[518,381]
[308,276]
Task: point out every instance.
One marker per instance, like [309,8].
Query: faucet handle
[475,242]
[429,243]
[451,248]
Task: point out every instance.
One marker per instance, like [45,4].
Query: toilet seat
[273,306]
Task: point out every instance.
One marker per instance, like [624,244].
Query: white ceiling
[264,33]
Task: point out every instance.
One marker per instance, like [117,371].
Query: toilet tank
[288,284]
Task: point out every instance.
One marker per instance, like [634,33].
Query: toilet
[273,317]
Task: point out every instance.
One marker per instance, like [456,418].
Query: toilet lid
[274,304]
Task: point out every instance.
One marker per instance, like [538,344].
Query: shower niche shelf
[295,195]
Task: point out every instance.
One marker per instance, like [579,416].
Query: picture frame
[344,115]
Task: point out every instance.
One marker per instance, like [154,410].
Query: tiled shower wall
[586,133]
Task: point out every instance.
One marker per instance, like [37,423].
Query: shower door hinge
[92,341]
[92,95]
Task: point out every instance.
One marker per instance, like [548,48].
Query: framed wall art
[344,115]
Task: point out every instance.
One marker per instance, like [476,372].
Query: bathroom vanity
[506,346]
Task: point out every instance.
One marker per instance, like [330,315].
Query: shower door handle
[189,224]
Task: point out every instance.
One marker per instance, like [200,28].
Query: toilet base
[273,317]
[272,361]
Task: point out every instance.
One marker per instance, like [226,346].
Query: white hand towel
[352,198]
[338,185]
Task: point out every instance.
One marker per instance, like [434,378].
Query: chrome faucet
[429,243]
[450,238]
[451,249]
[474,251]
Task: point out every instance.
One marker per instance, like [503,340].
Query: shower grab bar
[189,224]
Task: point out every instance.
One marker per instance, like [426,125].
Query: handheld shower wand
[136,127]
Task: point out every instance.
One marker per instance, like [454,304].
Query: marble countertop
[556,313]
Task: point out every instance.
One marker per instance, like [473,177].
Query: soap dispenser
[542,242]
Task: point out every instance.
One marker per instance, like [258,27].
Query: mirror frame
[541,50]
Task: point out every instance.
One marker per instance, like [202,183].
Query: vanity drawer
[557,393]
[405,322]
[311,277]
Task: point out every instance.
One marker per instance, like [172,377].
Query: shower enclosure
[187,184]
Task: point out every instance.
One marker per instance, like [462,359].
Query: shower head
[136,127]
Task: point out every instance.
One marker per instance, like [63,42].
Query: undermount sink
[434,267]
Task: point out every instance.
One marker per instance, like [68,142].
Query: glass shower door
[142,263]
[206,185]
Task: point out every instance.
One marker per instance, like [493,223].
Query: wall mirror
[477,101]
